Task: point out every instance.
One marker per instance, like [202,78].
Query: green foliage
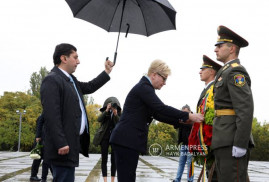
[36,80]
[10,102]
[261,138]
[85,99]
[164,135]
[93,113]
[9,135]
[37,149]
[209,159]
[209,116]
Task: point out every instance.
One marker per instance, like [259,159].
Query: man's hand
[108,66]
[238,152]
[196,118]
[38,139]
[63,150]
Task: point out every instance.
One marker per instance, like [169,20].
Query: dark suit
[131,132]
[62,114]
[40,133]
[39,128]
[36,162]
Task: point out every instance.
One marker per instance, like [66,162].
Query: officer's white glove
[238,152]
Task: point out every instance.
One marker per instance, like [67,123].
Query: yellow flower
[209,109]
[210,99]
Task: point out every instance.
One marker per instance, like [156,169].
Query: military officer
[233,109]
[208,73]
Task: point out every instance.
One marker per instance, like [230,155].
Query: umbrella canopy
[144,17]
[113,101]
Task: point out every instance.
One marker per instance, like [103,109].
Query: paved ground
[16,166]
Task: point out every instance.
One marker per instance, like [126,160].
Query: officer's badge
[226,66]
[235,65]
[239,80]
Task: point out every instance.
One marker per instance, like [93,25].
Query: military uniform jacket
[202,95]
[232,91]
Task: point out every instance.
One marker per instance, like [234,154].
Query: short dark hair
[62,49]
[186,107]
[237,48]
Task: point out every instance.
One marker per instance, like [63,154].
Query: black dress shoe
[35,178]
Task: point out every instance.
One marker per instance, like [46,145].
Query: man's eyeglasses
[164,78]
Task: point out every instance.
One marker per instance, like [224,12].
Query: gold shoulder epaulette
[235,65]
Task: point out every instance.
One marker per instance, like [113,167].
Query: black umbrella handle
[115,58]
[115,55]
[127,31]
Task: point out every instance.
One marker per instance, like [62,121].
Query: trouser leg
[113,164]
[63,174]
[230,168]
[126,163]
[104,151]
[181,163]
[35,167]
[45,170]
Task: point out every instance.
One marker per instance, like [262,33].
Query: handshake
[198,118]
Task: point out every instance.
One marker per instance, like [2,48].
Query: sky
[31,29]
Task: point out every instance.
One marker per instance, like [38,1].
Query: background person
[129,137]
[40,137]
[234,109]
[36,162]
[185,156]
[67,131]
[111,112]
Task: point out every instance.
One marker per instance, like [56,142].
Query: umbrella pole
[115,55]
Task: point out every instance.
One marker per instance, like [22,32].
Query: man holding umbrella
[66,126]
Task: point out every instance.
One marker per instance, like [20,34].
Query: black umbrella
[144,17]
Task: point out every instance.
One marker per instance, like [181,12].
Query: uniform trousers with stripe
[230,168]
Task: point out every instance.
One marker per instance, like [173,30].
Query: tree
[164,135]
[85,99]
[93,113]
[261,139]
[91,101]
[36,80]
[9,120]
[9,133]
